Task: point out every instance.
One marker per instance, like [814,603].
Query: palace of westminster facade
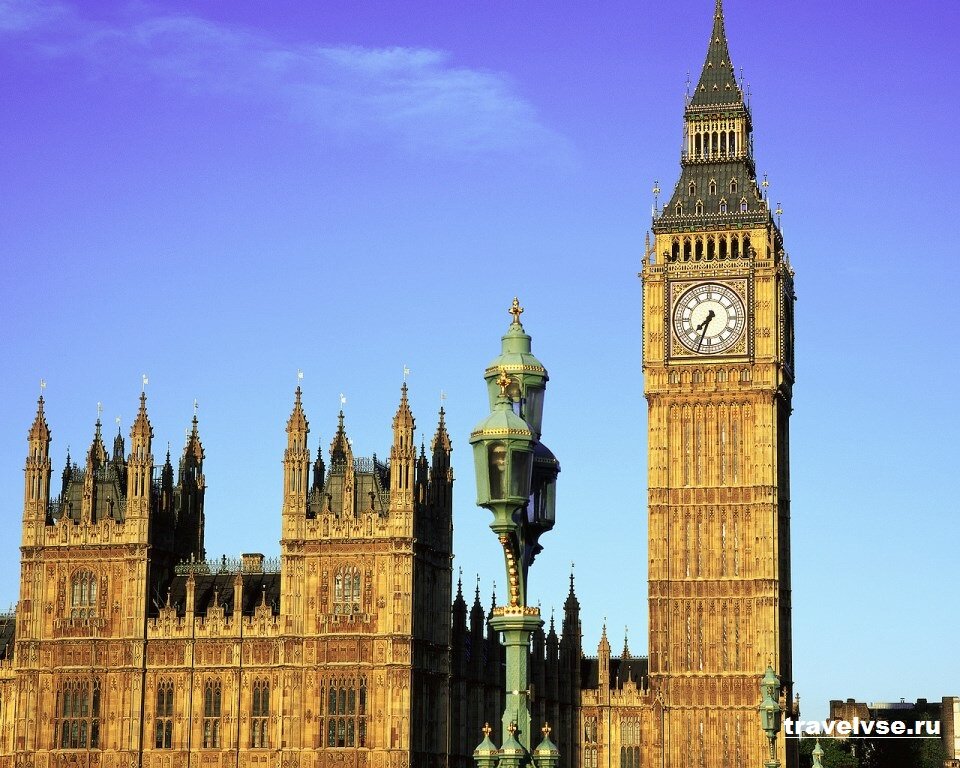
[129,648]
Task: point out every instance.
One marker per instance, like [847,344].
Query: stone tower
[718,372]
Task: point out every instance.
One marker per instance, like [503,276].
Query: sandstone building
[130,648]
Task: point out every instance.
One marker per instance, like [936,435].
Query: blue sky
[219,195]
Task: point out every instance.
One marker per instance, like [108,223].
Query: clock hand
[706,320]
[704,325]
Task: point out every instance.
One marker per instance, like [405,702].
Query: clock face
[709,318]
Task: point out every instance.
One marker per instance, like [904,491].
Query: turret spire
[718,82]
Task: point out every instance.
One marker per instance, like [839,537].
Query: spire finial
[516,310]
[143,383]
[43,386]
[343,402]
[406,372]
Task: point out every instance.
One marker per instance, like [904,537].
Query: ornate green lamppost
[516,481]
[770,713]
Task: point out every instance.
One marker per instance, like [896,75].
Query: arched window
[733,186]
[699,208]
[711,248]
[743,205]
[76,722]
[346,590]
[723,247]
[746,245]
[692,188]
[699,250]
[590,757]
[345,708]
[675,250]
[686,249]
[735,247]
[163,716]
[679,209]
[212,707]
[713,187]
[260,715]
[83,595]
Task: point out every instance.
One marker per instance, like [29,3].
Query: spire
[626,644]
[404,472]
[718,83]
[141,433]
[298,420]
[39,431]
[604,646]
[118,446]
[340,450]
[441,439]
[194,448]
[97,454]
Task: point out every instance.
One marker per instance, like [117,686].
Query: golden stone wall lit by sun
[718,372]
[130,646]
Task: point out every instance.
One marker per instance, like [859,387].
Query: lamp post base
[517,624]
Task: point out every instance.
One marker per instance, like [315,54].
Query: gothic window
[675,250]
[590,730]
[345,709]
[679,209]
[346,590]
[713,187]
[699,208]
[259,715]
[212,707]
[692,188]
[590,758]
[733,186]
[743,204]
[163,717]
[723,206]
[83,595]
[630,743]
[76,722]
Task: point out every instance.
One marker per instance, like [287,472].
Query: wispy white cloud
[415,96]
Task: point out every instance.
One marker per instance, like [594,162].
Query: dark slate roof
[718,83]
[8,629]
[254,585]
[720,173]
[633,668]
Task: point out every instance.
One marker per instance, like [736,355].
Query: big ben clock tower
[718,372]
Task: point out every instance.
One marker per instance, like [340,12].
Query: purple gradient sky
[218,196]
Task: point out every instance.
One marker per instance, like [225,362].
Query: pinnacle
[717,84]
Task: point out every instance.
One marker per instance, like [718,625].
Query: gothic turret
[296,461]
[37,470]
[191,487]
[717,188]
[140,462]
[403,455]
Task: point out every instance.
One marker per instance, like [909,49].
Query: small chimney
[251,562]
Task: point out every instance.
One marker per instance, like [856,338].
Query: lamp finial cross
[516,310]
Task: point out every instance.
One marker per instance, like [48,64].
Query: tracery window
[346,590]
[83,595]
[590,759]
[212,707]
[260,715]
[630,743]
[163,717]
[76,722]
[590,730]
[343,703]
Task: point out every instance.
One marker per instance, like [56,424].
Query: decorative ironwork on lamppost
[516,481]
[770,713]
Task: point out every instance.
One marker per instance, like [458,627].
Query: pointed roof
[298,419]
[97,453]
[404,416]
[571,603]
[603,648]
[39,431]
[194,448]
[626,644]
[441,439]
[718,83]
[141,430]
[340,446]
